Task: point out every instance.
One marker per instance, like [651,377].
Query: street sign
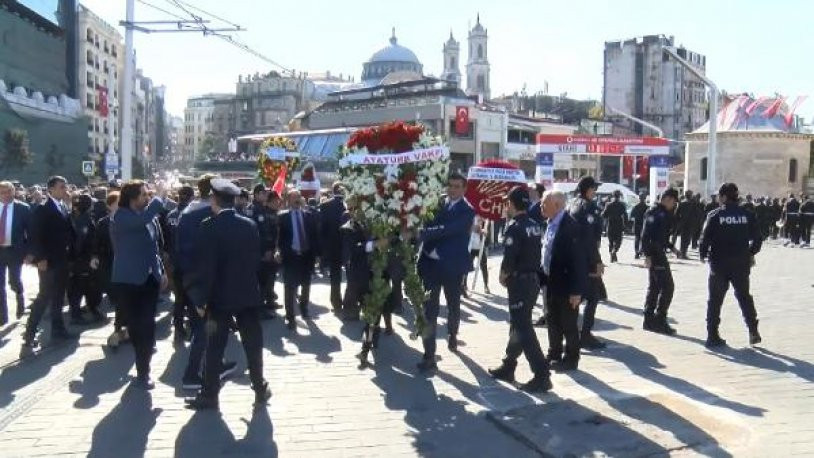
[87,168]
[111,164]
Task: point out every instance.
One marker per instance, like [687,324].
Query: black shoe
[452,343]
[553,357]
[589,342]
[227,368]
[637,256]
[541,322]
[614,258]
[62,334]
[538,384]
[715,341]
[262,394]
[504,372]
[650,323]
[201,402]
[754,337]
[564,366]
[426,365]
[143,382]
[192,383]
[305,315]
[291,325]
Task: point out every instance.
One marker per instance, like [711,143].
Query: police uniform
[615,214]
[731,239]
[266,221]
[587,215]
[655,240]
[637,215]
[791,212]
[806,220]
[521,270]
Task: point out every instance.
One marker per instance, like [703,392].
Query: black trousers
[659,290]
[266,277]
[793,229]
[51,296]
[181,299]
[355,292]
[615,234]
[432,306]
[83,285]
[562,323]
[719,281]
[10,262]
[139,303]
[251,335]
[523,293]
[592,296]
[297,276]
[805,229]
[637,239]
[335,272]
[686,240]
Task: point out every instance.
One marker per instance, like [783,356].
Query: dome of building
[746,113]
[392,58]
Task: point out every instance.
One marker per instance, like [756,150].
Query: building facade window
[480,51]
[703,169]
[793,171]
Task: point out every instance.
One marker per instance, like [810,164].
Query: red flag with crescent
[462,120]
[103,109]
[279,183]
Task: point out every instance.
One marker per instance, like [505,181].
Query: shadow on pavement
[645,365]
[316,343]
[762,358]
[485,308]
[123,432]
[206,435]
[654,414]
[5,332]
[105,375]
[32,369]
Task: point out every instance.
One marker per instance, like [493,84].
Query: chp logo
[488,184]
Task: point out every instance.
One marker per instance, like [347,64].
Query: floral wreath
[274,153]
[393,199]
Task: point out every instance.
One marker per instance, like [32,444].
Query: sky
[754,46]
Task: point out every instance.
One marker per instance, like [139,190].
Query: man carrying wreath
[442,263]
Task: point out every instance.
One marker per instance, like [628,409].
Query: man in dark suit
[51,238]
[331,218]
[565,273]
[298,247]
[443,262]
[227,288]
[15,217]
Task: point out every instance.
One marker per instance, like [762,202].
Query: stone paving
[645,395]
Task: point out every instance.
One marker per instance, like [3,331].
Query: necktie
[3,225]
[298,226]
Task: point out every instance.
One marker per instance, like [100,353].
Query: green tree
[16,154]
[207,147]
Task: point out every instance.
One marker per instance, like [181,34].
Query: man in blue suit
[227,288]
[442,263]
[331,218]
[14,233]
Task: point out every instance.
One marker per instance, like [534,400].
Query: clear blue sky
[756,46]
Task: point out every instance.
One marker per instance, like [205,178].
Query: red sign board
[462,120]
[592,144]
[488,197]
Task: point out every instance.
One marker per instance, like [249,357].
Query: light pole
[127,99]
[712,146]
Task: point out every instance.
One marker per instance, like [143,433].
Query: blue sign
[545,159]
[662,162]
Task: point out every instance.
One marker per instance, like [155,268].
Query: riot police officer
[731,239]
[519,273]
[585,211]
[655,240]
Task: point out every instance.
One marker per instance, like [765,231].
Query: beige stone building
[762,150]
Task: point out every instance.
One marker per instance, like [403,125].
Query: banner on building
[592,144]
[462,121]
[544,170]
[103,108]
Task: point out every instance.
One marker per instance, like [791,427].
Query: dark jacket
[229,247]
[586,213]
[84,243]
[136,238]
[331,219]
[568,271]
[448,236]
[20,230]
[731,237]
[656,235]
[637,215]
[354,253]
[186,235]
[51,235]
[615,213]
[286,236]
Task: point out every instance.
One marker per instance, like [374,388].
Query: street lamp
[713,122]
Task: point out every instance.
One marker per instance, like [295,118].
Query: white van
[605,190]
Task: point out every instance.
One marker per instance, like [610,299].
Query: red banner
[103,109]
[488,197]
[462,120]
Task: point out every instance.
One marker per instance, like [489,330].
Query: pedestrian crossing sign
[87,168]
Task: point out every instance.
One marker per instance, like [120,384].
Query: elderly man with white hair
[564,273]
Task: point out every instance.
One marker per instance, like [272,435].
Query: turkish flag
[627,166]
[643,168]
[279,184]
[462,120]
[103,109]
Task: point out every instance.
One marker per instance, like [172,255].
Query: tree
[16,153]
[207,147]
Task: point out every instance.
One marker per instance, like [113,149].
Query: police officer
[763,217]
[185,196]
[637,215]
[585,211]
[226,290]
[685,223]
[791,214]
[258,211]
[655,239]
[615,214]
[731,240]
[519,273]
[806,219]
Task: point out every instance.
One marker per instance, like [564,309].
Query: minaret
[452,53]
[477,69]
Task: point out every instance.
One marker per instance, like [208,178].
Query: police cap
[730,190]
[224,187]
[586,183]
[519,197]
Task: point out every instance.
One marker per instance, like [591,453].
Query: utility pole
[127,97]
[712,144]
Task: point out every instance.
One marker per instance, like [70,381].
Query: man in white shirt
[14,221]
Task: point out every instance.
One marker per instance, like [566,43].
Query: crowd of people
[219,250]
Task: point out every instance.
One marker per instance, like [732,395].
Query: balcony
[89,61]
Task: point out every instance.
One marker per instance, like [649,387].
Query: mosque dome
[390,59]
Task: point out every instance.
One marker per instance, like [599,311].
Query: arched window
[703,169]
[793,171]
[481,82]
[452,63]
[480,51]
